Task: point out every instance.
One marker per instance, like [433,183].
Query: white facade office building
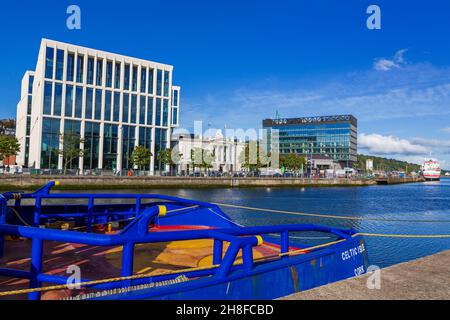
[113,102]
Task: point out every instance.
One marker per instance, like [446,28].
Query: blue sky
[240,61]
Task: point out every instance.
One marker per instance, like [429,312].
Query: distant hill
[385,164]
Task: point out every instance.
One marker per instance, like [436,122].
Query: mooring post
[37,246]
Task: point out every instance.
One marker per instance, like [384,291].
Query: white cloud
[383,64]
[379,144]
[447,130]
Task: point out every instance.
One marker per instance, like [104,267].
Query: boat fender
[162,211]
[260,240]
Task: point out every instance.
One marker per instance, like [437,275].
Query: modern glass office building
[113,102]
[334,137]
[23,118]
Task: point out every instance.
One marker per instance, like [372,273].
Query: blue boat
[152,246]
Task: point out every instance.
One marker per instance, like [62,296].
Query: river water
[429,202]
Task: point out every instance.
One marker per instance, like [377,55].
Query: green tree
[293,162]
[140,157]
[165,157]
[202,158]
[9,146]
[254,157]
[71,148]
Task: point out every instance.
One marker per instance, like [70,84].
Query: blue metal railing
[137,231]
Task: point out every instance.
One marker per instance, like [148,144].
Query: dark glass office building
[334,137]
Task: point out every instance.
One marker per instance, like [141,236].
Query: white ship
[431,170]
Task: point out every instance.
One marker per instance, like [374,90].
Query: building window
[109,71]
[158,82]
[91,145]
[175,98]
[49,58]
[142,110]
[108,95]
[145,140]
[116,111]
[175,116]
[150,80]
[89,97]
[28,126]
[58,100]
[135,78]
[90,71]
[98,104]
[160,145]
[30,85]
[143,79]
[78,102]
[69,101]
[48,98]
[29,104]
[117,75]
[80,68]
[128,134]
[72,127]
[126,107]
[158,112]
[165,112]
[99,75]
[70,66]
[166,83]
[133,108]
[50,143]
[59,64]
[110,142]
[150,111]
[126,78]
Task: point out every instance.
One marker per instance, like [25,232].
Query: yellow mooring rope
[325,215]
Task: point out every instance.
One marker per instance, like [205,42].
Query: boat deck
[98,262]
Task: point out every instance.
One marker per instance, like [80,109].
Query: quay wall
[107,182]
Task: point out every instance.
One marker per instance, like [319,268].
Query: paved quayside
[424,278]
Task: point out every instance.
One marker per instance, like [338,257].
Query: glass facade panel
[90,70]
[80,68]
[30,84]
[129,135]
[175,116]
[98,104]
[29,105]
[145,140]
[158,112]
[69,101]
[133,108]
[165,112]
[110,143]
[166,83]
[135,78]
[159,82]
[72,127]
[109,73]
[49,59]
[89,98]
[117,75]
[116,116]
[142,110]
[59,64]
[78,102]
[99,75]
[149,111]
[126,107]
[70,66]
[160,145]
[150,81]
[175,97]
[57,105]
[91,145]
[50,143]
[48,98]
[126,77]
[143,79]
[108,95]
